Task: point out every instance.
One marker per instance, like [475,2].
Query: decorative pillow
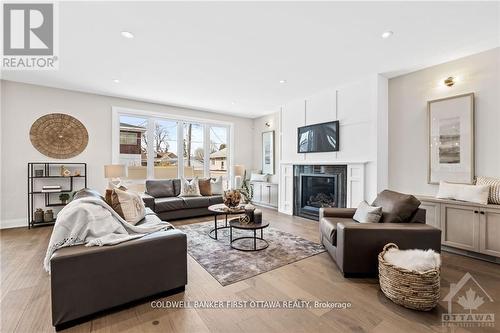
[160,188]
[128,205]
[204,185]
[396,207]
[465,192]
[494,183]
[257,177]
[190,188]
[216,186]
[367,214]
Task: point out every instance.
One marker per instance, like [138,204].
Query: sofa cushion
[168,204]
[177,186]
[328,227]
[215,199]
[396,207]
[128,205]
[160,188]
[204,185]
[367,214]
[196,202]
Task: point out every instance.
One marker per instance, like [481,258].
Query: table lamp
[113,172]
[239,172]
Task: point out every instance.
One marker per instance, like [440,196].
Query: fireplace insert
[317,186]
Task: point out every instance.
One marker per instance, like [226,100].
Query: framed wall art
[451,139]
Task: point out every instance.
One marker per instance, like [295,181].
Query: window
[219,152]
[157,147]
[165,149]
[133,146]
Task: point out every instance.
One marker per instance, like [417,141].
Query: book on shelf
[51,190]
[51,187]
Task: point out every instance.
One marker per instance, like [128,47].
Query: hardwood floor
[25,294]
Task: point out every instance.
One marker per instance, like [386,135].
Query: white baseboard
[13,223]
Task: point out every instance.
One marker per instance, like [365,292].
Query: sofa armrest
[149,201]
[358,244]
[346,213]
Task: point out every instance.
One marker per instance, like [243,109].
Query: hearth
[317,186]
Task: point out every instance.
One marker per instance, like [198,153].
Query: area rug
[228,265]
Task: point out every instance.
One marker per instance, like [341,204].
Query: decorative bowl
[231,198]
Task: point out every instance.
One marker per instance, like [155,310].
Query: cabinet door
[266,194]
[432,213]
[257,192]
[460,226]
[274,195]
[489,229]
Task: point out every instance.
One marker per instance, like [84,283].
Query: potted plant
[246,189]
[64,197]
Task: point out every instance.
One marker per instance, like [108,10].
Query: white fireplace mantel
[355,182]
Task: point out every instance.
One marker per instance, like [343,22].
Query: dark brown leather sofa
[162,197]
[355,246]
[88,280]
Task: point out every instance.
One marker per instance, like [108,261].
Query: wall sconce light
[449,82]
[268,124]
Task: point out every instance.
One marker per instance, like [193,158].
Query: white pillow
[472,193]
[413,260]
[258,177]
[190,188]
[216,186]
[367,214]
[128,205]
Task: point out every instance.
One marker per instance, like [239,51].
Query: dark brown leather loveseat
[88,280]
[162,197]
[355,246]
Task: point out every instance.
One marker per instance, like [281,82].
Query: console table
[468,227]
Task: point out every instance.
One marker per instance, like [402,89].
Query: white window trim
[116,111]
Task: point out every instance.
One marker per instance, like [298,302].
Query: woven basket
[411,289]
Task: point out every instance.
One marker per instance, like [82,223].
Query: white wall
[22,104]
[259,126]
[357,107]
[408,95]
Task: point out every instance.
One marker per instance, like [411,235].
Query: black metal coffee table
[238,224]
[221,209]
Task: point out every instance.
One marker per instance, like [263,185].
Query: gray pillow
[160,188]
[367,214]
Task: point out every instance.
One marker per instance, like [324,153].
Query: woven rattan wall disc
[59,136]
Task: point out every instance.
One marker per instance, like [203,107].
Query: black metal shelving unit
[68,184]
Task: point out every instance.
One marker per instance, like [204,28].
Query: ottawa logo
[464,300]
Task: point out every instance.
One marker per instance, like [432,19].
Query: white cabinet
[265,194]
[464,225]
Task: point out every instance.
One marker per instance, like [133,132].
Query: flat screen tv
[318,138]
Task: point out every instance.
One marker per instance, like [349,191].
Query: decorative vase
[38,218]
[249,211]
[231,198]
[49,215]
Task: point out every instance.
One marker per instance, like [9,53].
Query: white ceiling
[230,56]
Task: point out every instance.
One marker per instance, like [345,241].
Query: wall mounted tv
[318,138]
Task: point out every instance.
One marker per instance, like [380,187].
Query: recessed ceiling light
[116,81]
[387,34]
[282,81]
[127,34]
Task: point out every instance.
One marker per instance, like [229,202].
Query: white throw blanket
[92,222]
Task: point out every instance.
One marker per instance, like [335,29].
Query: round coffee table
[221,209]
[237,224]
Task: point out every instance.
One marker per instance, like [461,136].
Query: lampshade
[239,170]
[115,171]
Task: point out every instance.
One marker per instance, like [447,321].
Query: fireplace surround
[317,186]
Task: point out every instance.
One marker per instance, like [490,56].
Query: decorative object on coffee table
[231,198]
[409,288]
[221,209]
[59,135]
[451,139]
[235,243]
